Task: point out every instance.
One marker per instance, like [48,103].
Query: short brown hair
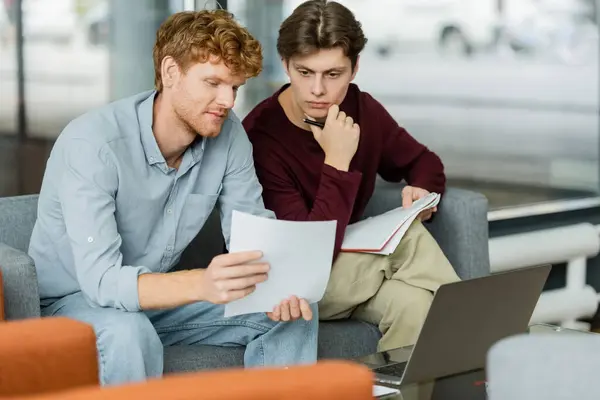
[193,36]
[320,24]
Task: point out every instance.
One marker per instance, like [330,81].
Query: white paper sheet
[382,391]
[300,255]
[372,234]
[391,245]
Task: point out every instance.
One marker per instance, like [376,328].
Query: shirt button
[151,159]
[169,211]
[169,248]
[90,239]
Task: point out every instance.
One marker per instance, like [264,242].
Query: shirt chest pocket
[196,211]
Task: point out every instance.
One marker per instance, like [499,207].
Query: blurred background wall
[505,91]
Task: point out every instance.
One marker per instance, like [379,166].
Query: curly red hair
[194,36]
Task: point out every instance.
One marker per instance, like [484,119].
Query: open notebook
[382,234]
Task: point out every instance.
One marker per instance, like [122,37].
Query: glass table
[467,385]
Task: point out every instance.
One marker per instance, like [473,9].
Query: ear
[170,71]
[286,66]
[355,71]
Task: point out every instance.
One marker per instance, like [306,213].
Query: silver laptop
[465,319]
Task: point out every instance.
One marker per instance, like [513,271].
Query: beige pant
[393,292]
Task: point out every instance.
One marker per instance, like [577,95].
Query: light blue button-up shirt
[111,209]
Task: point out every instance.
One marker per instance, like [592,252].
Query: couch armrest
[44,355]
[460,225]
[327,380]
[461,229]
[20,285]
[2,313]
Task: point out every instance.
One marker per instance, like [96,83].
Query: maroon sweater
[298,186]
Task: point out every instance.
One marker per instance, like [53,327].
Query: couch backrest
[461,228]
[206,245]
[17,217]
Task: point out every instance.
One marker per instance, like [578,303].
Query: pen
[315,123]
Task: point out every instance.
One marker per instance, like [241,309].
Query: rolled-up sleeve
[87,193]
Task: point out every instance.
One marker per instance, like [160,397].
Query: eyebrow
[219,80]
[334,69]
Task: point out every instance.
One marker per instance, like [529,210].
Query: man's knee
[411,306]
[128,331]
[420,234]
[129,348]
[128,336]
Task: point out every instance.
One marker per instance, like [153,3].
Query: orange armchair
[55,358]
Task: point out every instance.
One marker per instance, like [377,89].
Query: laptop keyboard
[392,370]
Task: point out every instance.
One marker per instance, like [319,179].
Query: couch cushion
[337,339]
[347,339]
[185,358]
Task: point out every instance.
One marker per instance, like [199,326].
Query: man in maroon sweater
[314,174]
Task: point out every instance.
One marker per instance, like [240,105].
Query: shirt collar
[198,148]
[145,119]
[151,149]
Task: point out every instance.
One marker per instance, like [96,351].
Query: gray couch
[460,228]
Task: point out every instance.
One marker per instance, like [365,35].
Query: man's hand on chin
[291,310]
[413,193]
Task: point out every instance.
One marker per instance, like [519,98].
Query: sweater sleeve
[335,197]
[403,157]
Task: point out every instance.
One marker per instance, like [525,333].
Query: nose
[226,97]
[318,89]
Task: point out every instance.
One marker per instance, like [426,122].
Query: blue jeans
[130,344]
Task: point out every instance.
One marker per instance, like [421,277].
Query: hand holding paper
[383,233]
[291,310]
[412,193]
[232,276]
[300,255]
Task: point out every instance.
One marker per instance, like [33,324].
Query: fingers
[428,214]
[349,122]
[295,308]
[425,215]
[241,271]
[407,197]
[291,309]
[335,114]
[233,295]
[295,312]
[241,283]
[276,314]
[305,310]
[243,257]
[332,114]
[314,129]
[411,193]
[285,310]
